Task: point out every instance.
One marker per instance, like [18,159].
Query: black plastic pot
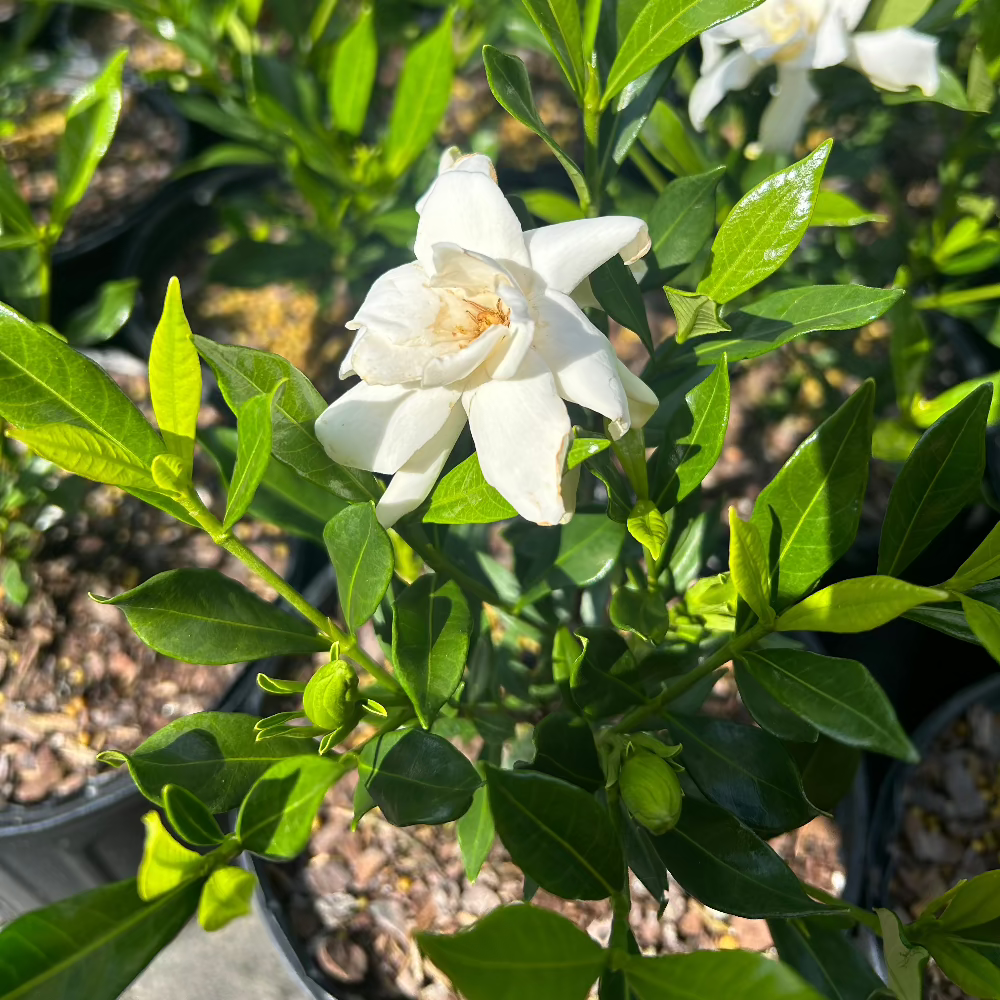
[56,849]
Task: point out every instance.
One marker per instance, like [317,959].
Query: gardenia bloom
[797,36]
[482,328]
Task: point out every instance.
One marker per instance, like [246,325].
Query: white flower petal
[897,59]
[785,116]
[851,11]
[522,430]
[570,485]
[832,44]
[414,480]
[379,428]
[581,359]
[467,208]
[520,334]
[565,254]
[445,369]
[733,72]
[454,159]
[474,273]
[642,401]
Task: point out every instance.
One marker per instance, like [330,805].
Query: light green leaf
[559,23]
[662,27]
[906,964]
[102,938]
[253,454]
[352,74]
[763,229]
[976,902]
[422,96]
[692,441]
[464,497]
[925,412]
[939,478]
[165,863]
[518,951]
[619,296]
[476,833]
[839,697]
[91,120]
[697,315]
[511,86]
[190,818]
[15,217]
[583,448]
[175,379]
[203,616]
[647,526]
[100,319]
[808,515]
[551,206]
[430,642]
[856,605]
[639,611]
[984,621]
[885,14]
[833,208]
[362,558]
[749,566]
[972,963]
[682,218]
[227,894]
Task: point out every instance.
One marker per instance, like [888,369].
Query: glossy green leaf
[697,315]
[668,138]
[784,316]
[565,748]
[982,565]
[839,697]
[243,373]
[175,379]
[735,975]
[825,958]
[85,453]
[508,79]
[748,566]
[856,605]
[165,863]
[640,611]
[362,558]
[100,319]
[91,120]
[939,478]
[615,484]
[431,625]
[518,951]
[725,865]
[583,448]
[16,219]
[422,96]
[352,75]
[744,770]
[662,27]
[984,621]
[604,680]
[559,23]
[910,349]
[692,441]
[551,206]
[829,770]
[464,497]
[682,218]
[277,815]
[213,755]
[417,777]
[833,208]
[227,894]
[253,454]
[203,616]
[905,963]
[763,229]
[619,296]
[642,859]
[556,833]
[969,958]
[808,515]
[476,834]
[189,817]
[924,412]
[647,526]
[768,712]
[102,938]
[976,902]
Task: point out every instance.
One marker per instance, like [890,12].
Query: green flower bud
[329,698]
[651,791]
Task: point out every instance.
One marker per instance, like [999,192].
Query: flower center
[483,317]
[788,25]
[461,320]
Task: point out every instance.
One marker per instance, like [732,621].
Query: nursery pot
[53,850]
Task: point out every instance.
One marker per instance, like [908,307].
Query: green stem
[969,296]
[865,917]
[591,156]
[647,168]
[44,281]
[722,655]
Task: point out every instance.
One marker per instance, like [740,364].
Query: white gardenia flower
[798,36]
[481,328]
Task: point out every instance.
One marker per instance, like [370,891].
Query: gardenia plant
[798,36]
[601,635]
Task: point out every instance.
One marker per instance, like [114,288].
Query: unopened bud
[329,698]
[651,791]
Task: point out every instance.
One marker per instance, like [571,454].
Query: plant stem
[673,691]
[647,168]
[968,296]
[591,154]
[44,281]
[865,917]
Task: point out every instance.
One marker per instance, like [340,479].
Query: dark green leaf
[464,497]
[559,23]
[518,951]
[768,712]
[556,833]
[640,611]
[417,777]
[939,478]
[808,515]
[645,863]
[213,755]
[104,316]
[203,616]
[189,817]
[476,833]
[682,218]
[615,289]
[431,625]
[725,865]
[697,315]
[604,680]
[101,939]
[362,558]
[565,748]
[839,697]
[828,771]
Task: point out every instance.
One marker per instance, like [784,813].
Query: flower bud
[651,791]
[329,701]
